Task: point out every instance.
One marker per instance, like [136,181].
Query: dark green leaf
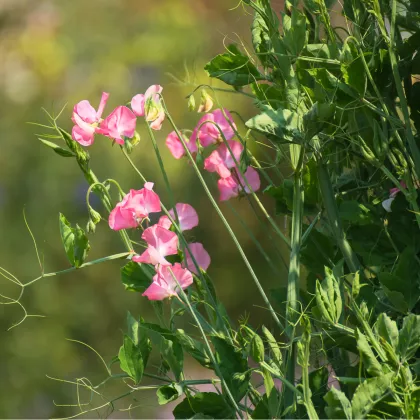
[136,277]
[204,404]
[368,357]
[387,329]
[339,406]
[131,360]
[168,393]
[314,120]
[233,68]
[294,27]
[368,394]
[355,212]
[194,348]
[409,337]
[257,348]
[261,40]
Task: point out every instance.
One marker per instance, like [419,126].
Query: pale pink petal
[157,292]
[223,123]
[153,90]
[236,148]
[120,218]
[161,242]
[201,256]
[127,122]
[174,145]
[187,216]
[121,122]
[85,138]
[157,123]
[228,188]
[253,179]
[85,111]
[164,222]
[206,133]
[151,256]
[215,163]
[137,104]
[102,104]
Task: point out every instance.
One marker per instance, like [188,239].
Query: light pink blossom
[120,123]
[235,184]
[187,216]
[154,112]
[176,147]
[161,243]
[201,256]
[86,120]
[221,161]
[208,133]
[134,207]
[164,284]
[386,204]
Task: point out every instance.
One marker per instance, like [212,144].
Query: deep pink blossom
[176,147]
[120,123]
[154,112]
[208,133]
[86,119]
[221,161]
[187,216]
[231,186]
[134,207]
[165,286]
[161,243]
[201,256]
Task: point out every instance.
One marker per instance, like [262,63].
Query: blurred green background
[55,52]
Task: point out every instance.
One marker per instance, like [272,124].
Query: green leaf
[131,360]
[368,357]
[330,82]
[268,95]
[136,277]
[355,212]
[233,365]
[257,348]
[409,337]
[339,406]
[194,348]
[204,404]
[57,149]
[387,329]
[295,36]
[75,242]
[280,123]
[233,68]
[354,72]
[139,339]
[314,120]
[368,394]
[274,347]
[168,346]
[261,40]
[328,298]
[168,393]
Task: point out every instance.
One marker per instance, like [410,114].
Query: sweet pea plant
[336,96]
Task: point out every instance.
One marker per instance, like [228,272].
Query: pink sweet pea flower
[86,120]
[165,286]
[161,242]
[221,161]
[134,207]
[176,147]
[121,122]
[201,256]
[208,133]
[235,184]
[154,112]
[386,204]
[187,216]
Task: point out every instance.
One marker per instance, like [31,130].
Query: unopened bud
[95,217]
[206,103]
[191,103]
[90,227]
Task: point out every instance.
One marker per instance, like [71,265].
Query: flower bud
[191,103]
[90,227]
[206,103]
[95,217]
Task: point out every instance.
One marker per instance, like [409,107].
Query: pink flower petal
[85,138]
[253,179]
[187,216]
[137,105]
[201,256]
[163,240]
[157,123]
[165,222]
[104,100]
[228,188]
[121,122]
[121,218]
[85,111]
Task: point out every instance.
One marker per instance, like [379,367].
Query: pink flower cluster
[161,241]
[223,161]
[121,122]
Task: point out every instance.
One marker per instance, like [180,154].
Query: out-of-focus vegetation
[54,52]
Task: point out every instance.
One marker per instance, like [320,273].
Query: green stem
[334,218]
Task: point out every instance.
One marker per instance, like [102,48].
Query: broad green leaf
[257,348]
[318,384]
[261,40]
[339,406]
[233,365]
[387,329]
[194,348]
[369,393]
[133,328]
[409,337]
[368,357]
[330,82]
[295,36]
[353,70]
[396,299]
[274,347]
[168,393]
[316,118]
[75,242]
[136,277]
[233,68]
[268,95]
[204,404]
[131,360]
[280,123]
[168,346]
[139,338]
